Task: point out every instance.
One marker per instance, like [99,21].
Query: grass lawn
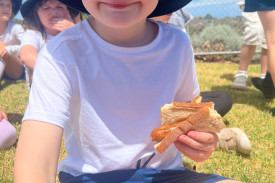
[249,112]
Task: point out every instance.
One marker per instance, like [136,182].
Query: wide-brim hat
[29,5]
[16,4]
[26,7]
[164,6]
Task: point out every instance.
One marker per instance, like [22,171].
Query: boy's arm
[37,152]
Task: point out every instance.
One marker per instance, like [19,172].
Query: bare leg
[14,67]
[264,61]
[247,53]
[268,19]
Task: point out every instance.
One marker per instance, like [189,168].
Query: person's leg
[264,61]
[266,86]
[222,100]
[257,81]
[247,53]
[14,67]
[7,134]
[268,19]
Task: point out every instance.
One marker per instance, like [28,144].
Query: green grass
[249,112]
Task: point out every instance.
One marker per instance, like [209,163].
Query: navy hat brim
[16,4]
[26,7]
[164,6]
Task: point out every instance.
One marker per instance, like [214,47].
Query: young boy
[103,82]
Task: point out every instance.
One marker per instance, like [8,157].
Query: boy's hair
[164,6]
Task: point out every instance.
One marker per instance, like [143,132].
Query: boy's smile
[120,13]
[119,5]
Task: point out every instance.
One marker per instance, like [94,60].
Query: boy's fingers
[207,137]
[198,145]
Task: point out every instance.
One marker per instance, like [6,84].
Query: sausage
[158,134]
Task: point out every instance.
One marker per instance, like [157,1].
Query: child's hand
[3,115]
[3,53]
[61,24]
[197,146]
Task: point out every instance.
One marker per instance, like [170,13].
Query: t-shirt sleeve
[189,86]
[32,38]
[50,94]
[17,30]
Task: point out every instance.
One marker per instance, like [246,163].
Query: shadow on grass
[15,118]
[250,96]
[4,83]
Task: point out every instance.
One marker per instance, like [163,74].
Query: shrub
[218,34]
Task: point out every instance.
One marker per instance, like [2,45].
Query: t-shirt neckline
[112,47]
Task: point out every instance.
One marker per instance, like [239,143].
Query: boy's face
[5,10]
[120,13]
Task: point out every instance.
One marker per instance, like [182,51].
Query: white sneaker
[240,81]
[234,139]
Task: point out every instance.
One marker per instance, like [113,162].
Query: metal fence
[216,27]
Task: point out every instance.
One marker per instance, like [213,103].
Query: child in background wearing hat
[10,34]
[7,132]
[44,19]
[102,83]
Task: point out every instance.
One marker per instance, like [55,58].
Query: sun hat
[28,5]
[16,6]
[164,6]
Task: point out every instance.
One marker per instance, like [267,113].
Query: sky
[216,8]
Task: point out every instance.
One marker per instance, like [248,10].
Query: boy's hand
[197,146]
[3,115]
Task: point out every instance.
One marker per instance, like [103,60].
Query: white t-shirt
[12,37]
[108,98]
[35,38]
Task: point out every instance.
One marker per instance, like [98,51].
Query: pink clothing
[7,134]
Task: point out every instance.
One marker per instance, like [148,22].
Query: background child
[10,35]
[103,82]
[253,35]
[44,19]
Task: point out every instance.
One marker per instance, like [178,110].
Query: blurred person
[44,19]
[7,132]
[10,34]
[266,12]
[253,35]
[180,19]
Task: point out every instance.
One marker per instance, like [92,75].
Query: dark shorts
[177,175]
[222,100]
[259,5]
[22,77]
